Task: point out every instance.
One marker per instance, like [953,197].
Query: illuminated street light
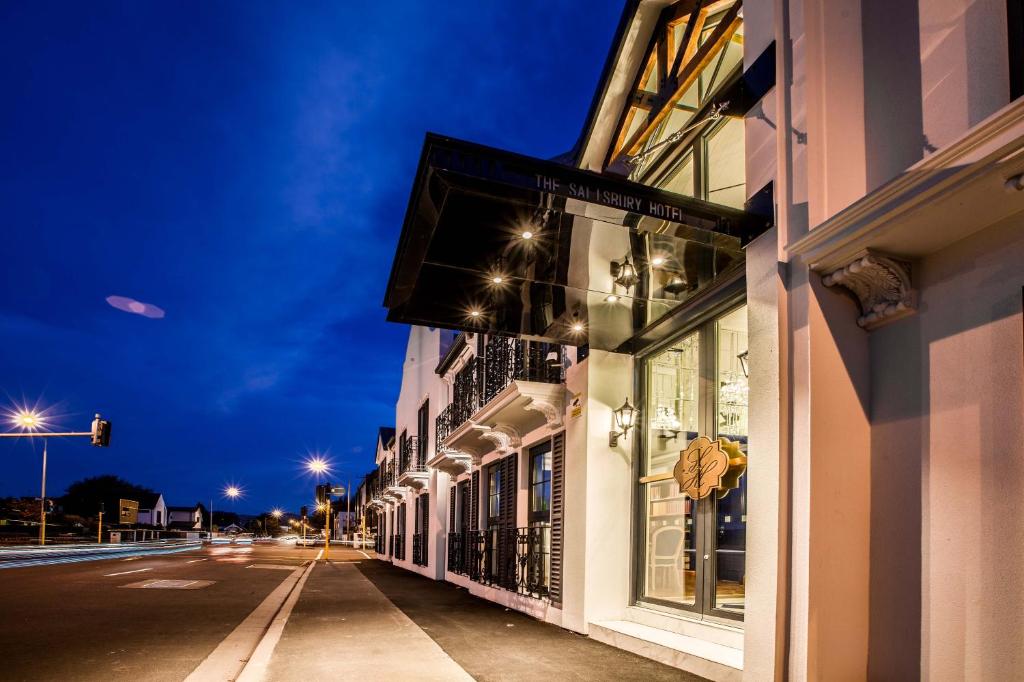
[27,420]
[232,491]
[277,513]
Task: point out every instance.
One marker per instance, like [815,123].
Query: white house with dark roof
[153,510]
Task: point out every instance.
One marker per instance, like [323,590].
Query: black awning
[503,243]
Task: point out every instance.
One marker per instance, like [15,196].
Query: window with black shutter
[557,507]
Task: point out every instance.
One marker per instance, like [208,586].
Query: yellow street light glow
[527,234]
[611,298]
[26,419]
[578,327]
[657,260]
[277,513]
[474,313]
[497,279]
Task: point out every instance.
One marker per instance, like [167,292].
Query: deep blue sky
[245,167]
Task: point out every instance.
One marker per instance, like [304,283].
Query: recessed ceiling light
[527,234]
[657,260]
[611,298]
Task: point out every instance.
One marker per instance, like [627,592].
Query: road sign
[338,490]
[129,511]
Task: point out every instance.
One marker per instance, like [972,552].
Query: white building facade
[738,383]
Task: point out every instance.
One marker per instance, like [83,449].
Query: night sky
[245,168]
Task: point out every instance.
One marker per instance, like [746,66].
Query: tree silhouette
[84,497]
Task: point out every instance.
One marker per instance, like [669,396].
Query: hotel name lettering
[611,198]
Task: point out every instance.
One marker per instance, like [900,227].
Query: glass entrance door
[694,551]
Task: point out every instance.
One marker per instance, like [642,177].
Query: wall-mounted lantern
[624,273]
[625,419]
[742,357]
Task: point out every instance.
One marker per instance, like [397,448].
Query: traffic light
[323,493]
[100,432]
[303,512]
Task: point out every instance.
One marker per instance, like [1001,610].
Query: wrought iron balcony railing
[419,549]
[410,455]
[516,559]
[505,360]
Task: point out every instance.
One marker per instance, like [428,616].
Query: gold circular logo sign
[701,467]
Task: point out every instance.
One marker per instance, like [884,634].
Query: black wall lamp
[624,273]
[625,419]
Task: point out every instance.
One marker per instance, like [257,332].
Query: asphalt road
[80,621]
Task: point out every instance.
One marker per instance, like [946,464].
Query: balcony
[515,559]
[513,388]
[412,471]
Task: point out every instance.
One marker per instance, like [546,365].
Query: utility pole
[348,510]
[42,501]
[327,530]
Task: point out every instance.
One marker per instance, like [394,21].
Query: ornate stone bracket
[549,401]
[505,438]
[881,285]
[452,462]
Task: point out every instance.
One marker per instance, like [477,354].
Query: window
[694,551]
[493,494]
[694,57]
[540,484]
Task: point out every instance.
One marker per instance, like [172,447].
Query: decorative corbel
[881,285]
[505,438]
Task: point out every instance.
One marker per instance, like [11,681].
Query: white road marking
[195,560]
[363,553]
[132,558]
[318,555]
[137,570]
[228,659]
[255,669]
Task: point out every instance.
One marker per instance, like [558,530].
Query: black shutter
[425,542]
[451,510]
[557,506]
[507,524]
[474,497]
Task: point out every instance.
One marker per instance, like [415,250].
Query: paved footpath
[362,619]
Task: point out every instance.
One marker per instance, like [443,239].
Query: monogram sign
[701,467]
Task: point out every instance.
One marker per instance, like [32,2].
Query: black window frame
[539,516]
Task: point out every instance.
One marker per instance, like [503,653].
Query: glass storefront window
[731,416]
[694,550]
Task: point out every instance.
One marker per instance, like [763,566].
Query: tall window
[494,484]
[694,551]
[540,484]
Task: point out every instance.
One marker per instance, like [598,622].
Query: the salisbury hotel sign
[456,160]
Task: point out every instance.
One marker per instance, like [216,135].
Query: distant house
[153,511]
[185,518]
[233,529]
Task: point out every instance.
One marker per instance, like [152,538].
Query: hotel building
[737,383]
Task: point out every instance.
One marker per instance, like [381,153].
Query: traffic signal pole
[100,435]
[327,530]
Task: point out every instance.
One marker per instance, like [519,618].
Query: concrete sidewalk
[369,620]
[343,628]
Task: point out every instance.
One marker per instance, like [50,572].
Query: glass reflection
[673,384]
[731,416]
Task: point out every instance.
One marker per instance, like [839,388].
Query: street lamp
[232,492]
